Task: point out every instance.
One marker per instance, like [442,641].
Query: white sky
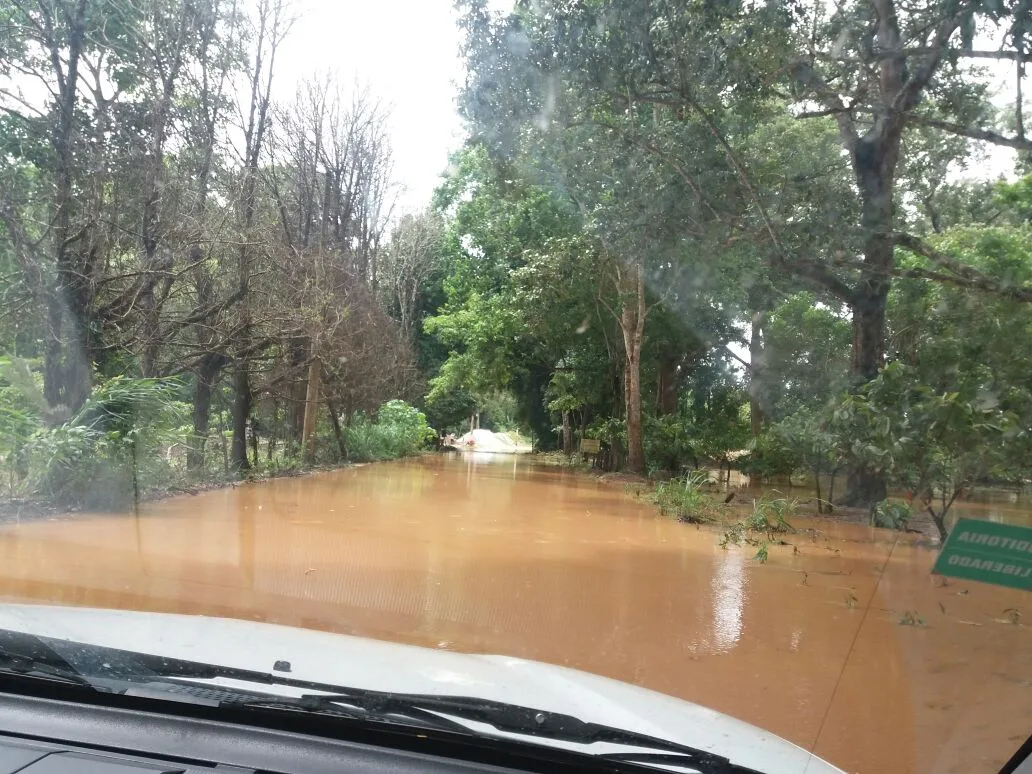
[407,53]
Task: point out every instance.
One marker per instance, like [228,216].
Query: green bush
[400,430]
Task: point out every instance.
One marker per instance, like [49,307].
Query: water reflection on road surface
[495,554]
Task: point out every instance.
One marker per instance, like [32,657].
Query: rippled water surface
[495,554]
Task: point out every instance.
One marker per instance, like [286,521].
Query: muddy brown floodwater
[496,555]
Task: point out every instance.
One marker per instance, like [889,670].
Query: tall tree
[874,69]
[270,27]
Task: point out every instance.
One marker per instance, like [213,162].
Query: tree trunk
[756,413]
[869,331]
[298,391]
[632,326]
[222,440]
[311,409]
[241,413]
[255,440]
[67,357]
[635,440]
[874,162]
[865,486]
[337,432]
[156,268]
[206,375]
[667,398]
[567,434]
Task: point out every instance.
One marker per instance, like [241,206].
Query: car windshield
[672,355]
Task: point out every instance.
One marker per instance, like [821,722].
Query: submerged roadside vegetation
[132,438]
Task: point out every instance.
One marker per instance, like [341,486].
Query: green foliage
[667,443]
[285,464]
[891,514]
[612,432]
[770,517]
[686,499]
[449,409]
[608,138]
[765,525]
[112,449]
[400,430]
[21,407]
[769,455]
[710,424]
[499,412]
[807,440]
[715,414]
[806,355]
[926,441]
[515,290]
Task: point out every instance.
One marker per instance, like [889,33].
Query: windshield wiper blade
[522,721]
[332,705]
[420,709]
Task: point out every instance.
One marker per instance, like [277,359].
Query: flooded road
[492,554]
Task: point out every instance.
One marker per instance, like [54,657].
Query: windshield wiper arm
[30,658]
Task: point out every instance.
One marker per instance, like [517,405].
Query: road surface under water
[495,554]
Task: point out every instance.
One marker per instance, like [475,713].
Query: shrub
[769,455]
[686,499]
[667,446]
[400,430]
[769,519]
[108,452]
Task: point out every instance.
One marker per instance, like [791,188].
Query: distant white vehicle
[488,441]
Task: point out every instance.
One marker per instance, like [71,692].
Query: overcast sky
[407,52]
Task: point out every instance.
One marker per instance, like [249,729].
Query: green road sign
[988,552]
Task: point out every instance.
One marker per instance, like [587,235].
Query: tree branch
[975,134]
[907,98]
[814,271]
[822,113]
[804,73]
[963,53]
[956,273]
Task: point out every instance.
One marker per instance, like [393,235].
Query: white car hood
[384,666]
